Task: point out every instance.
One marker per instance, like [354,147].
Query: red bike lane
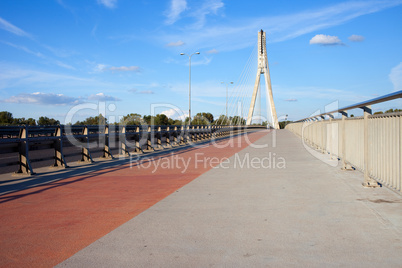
[44,225]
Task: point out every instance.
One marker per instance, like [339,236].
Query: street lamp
[189,85]
[227,97]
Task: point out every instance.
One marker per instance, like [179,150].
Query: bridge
[324,191]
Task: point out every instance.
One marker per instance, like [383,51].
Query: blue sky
[55,55]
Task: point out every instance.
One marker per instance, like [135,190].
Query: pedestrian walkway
[59,212]
[276,205]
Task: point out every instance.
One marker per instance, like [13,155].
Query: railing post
[106,149]
[345,165]
[158,135]
[168,134]
[175,136]
[138,140]
[368,182]
[85,153]
[23,148]
[59,159]
[323,130]
[123,142]
[150,137]
[330,132]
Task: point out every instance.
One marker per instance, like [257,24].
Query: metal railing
[23,140]
[371,143]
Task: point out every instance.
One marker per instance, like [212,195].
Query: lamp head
[181,53]
[197,52]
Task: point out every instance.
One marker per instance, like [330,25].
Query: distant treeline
[6,118]
[389,111]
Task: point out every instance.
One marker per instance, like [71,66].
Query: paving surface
[276,206]
[282,208]
[46,218]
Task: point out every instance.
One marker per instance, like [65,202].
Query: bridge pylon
[263,68]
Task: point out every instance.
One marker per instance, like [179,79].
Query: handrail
[388,97]
[369,142]
[23,139]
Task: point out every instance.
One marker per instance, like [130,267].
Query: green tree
[393,111]
[283,124]
[172,122]
[23,121]
[158,120]
[6,118]
[97,120]
[161,119]
[203,119]
[147,119]
[131,119]
[222,120]
[46,121]
[237,120]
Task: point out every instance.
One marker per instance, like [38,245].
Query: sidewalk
[48,217]
[303,214]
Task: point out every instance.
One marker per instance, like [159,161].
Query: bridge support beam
[263,68]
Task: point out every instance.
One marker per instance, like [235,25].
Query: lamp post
[189,85]
[227,97]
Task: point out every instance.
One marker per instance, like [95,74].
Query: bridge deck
[275,206]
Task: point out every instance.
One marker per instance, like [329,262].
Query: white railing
[371,143]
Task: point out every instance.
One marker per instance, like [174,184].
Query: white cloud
[136,91]
[291,100]
[100,67]
[356,38]
[204,61]
[213,51]
[102,97]
[103,67]
[64,65]
[108,3]
[207,8]
[39,55]
[5,25]
[175,114]
[396,77]
[176,8]
[175,44]
[125,68]
[146,92]
[27,50]
[42,98]
[325,40]
[241,32]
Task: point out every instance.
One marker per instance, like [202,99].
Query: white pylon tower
[263,68]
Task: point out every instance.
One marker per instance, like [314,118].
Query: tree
[222,120]
[45,121]
[237,120]
[97,120]
[393,111]
[23,121]
[131,119]
[161,119]
[158,120]
[284,123]
[6,118]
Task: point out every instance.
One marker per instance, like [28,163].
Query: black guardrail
[128,139]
